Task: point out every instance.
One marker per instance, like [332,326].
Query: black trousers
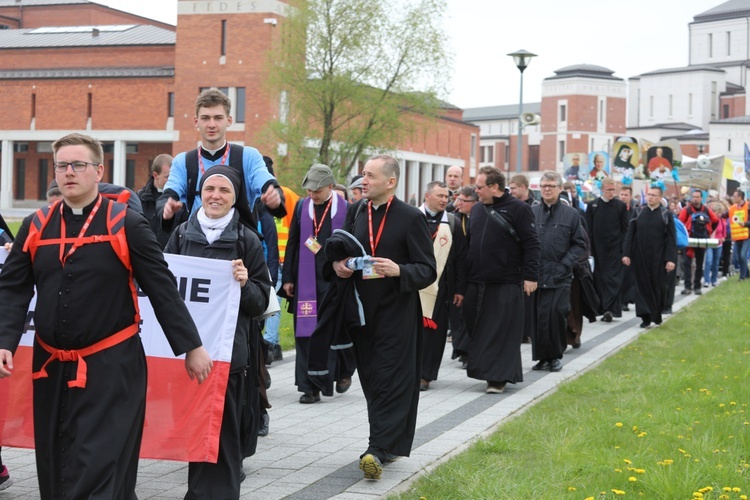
[687,262]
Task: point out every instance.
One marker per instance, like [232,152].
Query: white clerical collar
[212,152]
[76,211]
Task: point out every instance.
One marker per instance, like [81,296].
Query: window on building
[729,43]
[44,147]
[223,37]
[473,152]
[710,45]
[601,110]
[714,100]
[42,179]
[130,173]
[239,106]
[563,113]
[729,145]
[170,104]
[131,148]
[651,106]
[560,150]
[89,105]
[725,111]
[20,147]
[534,158]
[110,171]
[33,105]
[690,104]
[670,105]
[20,179]
[487,154]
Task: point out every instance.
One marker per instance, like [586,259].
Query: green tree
[356,76]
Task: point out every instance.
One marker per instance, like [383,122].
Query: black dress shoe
[645,324]
[542,365]
[577,345]
[667,311]
[265,421]
[555,365]
[698,291]
[309,398]
[607,317]
[424,385]
[343,385]
[269,356]
[277,355]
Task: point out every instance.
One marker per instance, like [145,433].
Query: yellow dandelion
[726,489]
[743,497]
[697,494]
[618,492]
[635,428]
[589,498]
[618,470]
[736,489]
[732,403]
[641,434]
[627,461]
[632,479]
[721,405]
[571,488]
[723,497]
[640,471]
[618,424]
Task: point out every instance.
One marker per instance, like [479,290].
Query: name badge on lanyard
[313,244]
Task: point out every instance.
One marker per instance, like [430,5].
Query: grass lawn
[667,417]
[286,332]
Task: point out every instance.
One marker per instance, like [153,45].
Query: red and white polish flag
[183,419]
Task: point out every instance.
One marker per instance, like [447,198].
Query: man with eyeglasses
[89,387]
[503,265]
[607,223]
[563,245]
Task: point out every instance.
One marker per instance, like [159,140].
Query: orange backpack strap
[38,223]
[116,213]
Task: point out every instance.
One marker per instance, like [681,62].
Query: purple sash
[306,289]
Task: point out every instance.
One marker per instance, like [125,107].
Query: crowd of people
[375,285]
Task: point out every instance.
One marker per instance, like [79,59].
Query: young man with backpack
[699,221]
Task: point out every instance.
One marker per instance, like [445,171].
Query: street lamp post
[521,58]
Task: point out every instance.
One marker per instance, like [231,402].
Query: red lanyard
[64,258]
[316,226]
[223,158]
[374,243]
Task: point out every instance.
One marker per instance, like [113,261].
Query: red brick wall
[88,57]
[736,105]
[63,104]
[71,15]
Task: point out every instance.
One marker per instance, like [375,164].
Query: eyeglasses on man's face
[78,166]
[548,186]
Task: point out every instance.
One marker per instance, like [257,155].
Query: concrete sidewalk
[312,451]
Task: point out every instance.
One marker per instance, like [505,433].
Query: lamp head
[521,58]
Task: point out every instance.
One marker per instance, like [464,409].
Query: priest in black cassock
[651,250]
[87,430]
[388,347]
[449,245]
[607,223]
[503,265]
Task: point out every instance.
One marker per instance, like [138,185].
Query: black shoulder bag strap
[502,222]
[191,166]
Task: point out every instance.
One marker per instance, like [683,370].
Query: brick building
[74,65]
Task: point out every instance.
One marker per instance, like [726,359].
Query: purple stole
[306,289]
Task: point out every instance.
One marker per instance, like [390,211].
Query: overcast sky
[628,37]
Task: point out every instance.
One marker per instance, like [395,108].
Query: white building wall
[655,92]
[710,44]
[728,139]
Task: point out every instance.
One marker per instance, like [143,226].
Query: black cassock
[88,439]
[650,244]
[388,348]
[607,223]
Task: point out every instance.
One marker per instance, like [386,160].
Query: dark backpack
[700,222]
